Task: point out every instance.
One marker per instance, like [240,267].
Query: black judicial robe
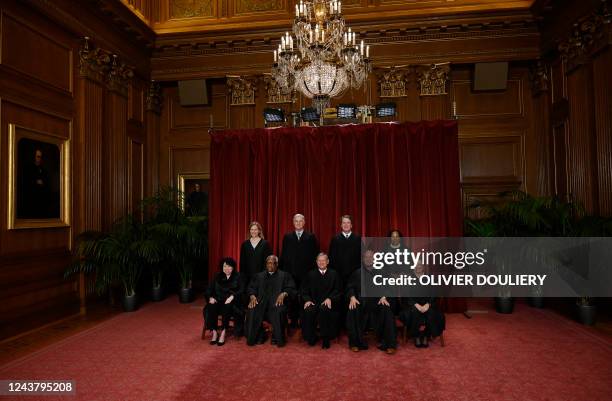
[299,256]
[433,319]
[267,287]
[253,260]
[369,314]
[345,255]
[316,288]
[221,288]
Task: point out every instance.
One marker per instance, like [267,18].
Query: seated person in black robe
[268,295]
[321,293]
[364,313]
[422,315]
[223,295]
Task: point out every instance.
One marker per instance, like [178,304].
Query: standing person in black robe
[396,242]
[364,313]
[253,253]
[321,292]
[269,292]
[223,297]
[421,314]
[299,251]
[345,250]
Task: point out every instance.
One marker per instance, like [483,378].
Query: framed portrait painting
[39,179]
[194,189]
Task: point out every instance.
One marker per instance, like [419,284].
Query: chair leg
[442,339]
[203,331]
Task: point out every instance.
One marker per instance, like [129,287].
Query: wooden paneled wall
[579,64]
[47,85]
[497,130]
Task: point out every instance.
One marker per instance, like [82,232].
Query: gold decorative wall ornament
[432,79]
[93,63]
[119,76]
[241,90]
[275,93]
[104,67]
[590,34]
[539,78]
[393,81]
[153,98]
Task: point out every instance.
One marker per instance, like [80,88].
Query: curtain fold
[403,176]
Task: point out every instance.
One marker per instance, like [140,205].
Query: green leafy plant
[182,239]
[117,257]
[519,214]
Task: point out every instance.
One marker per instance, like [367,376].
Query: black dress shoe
[312,342]
[281,344]
[219,343]
[363,347]
[213,342]
[261,340]
[325,344]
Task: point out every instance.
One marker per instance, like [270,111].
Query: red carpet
[156,354]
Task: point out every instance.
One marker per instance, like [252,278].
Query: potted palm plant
[522,215]
[117,257]
[182,237]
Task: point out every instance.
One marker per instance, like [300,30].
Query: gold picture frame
[53,196]
[183,184]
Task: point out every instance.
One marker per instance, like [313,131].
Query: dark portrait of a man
[38,180]
[197,199]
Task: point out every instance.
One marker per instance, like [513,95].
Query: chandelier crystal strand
[325,59]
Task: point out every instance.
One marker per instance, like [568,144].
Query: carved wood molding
[274,92]
[432,79]
[93,63]
[153,98]
[590,34]
[393,81]
[201,43]
[539,77]
[242,90]
[104,67]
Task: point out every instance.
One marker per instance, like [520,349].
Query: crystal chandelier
[324,60]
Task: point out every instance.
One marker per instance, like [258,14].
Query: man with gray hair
[269,293]
[321,293]
[299,251]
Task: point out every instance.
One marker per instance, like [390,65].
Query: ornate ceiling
[221,16]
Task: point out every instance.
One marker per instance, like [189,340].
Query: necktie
[299,235]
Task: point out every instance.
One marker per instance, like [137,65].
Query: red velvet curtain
[403,176]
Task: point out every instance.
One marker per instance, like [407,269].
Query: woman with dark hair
[395,240]
[253,253]
[223,297]
[421,315]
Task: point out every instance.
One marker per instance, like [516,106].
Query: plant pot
[536,302]
[186,295]
[504,304]
[157,294]
[130,303]
[586,314]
